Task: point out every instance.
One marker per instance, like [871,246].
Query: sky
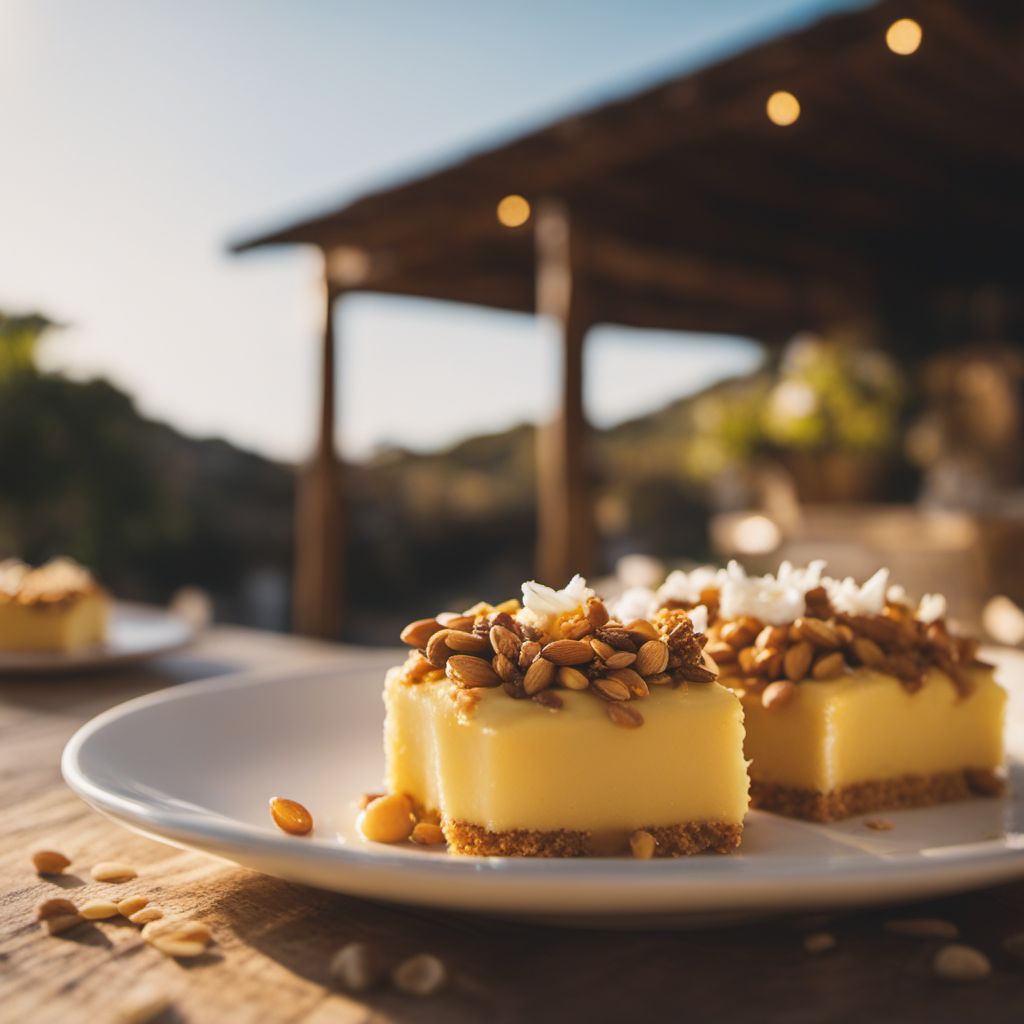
[140,138]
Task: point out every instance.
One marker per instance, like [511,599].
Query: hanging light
[903,36]
[513,211]
[783,108]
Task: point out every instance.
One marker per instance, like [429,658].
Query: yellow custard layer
[867,727]
[76,622]
[514,764]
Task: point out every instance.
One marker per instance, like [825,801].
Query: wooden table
[275,939]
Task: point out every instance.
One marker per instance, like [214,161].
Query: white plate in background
[196,764]
[135,632]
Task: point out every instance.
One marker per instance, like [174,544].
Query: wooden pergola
[685,206]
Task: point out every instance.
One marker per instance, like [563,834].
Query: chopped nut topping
[528,652]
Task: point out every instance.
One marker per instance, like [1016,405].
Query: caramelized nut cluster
[618,662]
[769,661]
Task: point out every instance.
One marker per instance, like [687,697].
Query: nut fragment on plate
[961,963]
[290,816]
[354,967]
[426,833]
[420,975]
[923,927]
[819,942]
[388,819]
[878,824]
[178,936]
[113,871]
[642,844]
[49,862]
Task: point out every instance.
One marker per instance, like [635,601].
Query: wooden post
[565,530]
[318,582]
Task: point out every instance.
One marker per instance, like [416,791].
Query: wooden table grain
[275,939]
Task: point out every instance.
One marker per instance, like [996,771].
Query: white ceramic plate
[135,632]
[195,766]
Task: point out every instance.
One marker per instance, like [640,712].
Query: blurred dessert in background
[58,606]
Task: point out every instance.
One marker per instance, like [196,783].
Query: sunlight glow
[783,108]
[513,211]
[903,36]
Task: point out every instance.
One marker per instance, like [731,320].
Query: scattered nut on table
[420,975]
[98,910]
[142,1004]
[131,905]
[49,862]
[354,967]
[178,936]
[819,942]
[961,963]
[112,871]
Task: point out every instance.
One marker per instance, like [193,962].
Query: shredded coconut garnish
[635,603]
[687,587]
[771,599]
[699,618]
[868,599]
[546,603]
[932,607]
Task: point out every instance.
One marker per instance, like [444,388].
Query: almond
[652,658]
[961,963]
[131,905]
[98,910]
[540,675]
[572,678]
[529,653]
[437,651]
[642,844]
[797,661]
[829,666]
[468,671]
[817,632]
[420,975]
[613,689]
[455,620]
[417,633]
[778,694]
[49,862]
[290,816]
[568,652]
[111,871]
[504,641]
[602,650]
[58,906]
[771,636]
[868,652]
[642,629]
[633,680]
[620,659]
[466,643]
[625,715]
[723,654]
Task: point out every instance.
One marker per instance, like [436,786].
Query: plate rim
[990,860]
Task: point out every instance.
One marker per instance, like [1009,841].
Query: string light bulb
[513,211]
[783,108]
[903,36]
